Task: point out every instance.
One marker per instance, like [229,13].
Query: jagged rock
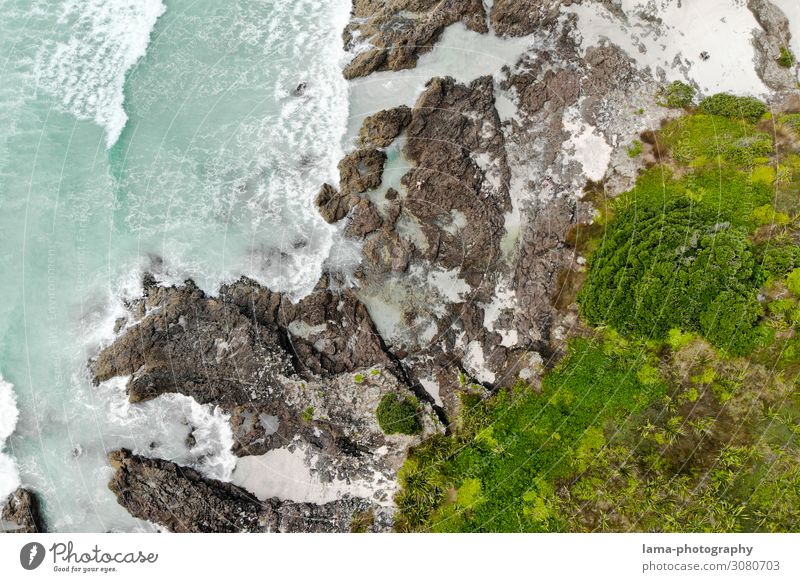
[460,174]
[194,345]
[332,204]
[327,332]
[380,130]
[361,170]
[366,219]
[401,30]
[182,500]
[21,513]
[386,252]
[768,42]
[523,17]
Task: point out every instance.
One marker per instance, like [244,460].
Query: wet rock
[400,30]
[332,204]
[523,17]
[181,500]
[21,513]
[361,170]
[461,173]
[194,345]
[380,130]
[387,252]
[365,219]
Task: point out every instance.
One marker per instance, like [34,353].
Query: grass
[496,472]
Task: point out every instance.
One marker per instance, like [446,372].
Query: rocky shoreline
[474,256]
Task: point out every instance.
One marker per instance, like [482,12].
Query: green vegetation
[398,414]
[679,409]
[676,95]
[358,378]
[675,266]
[635,149]
[733,106]
[308,414]
[495,473]
[786,59]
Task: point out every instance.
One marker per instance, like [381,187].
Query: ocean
[183,137]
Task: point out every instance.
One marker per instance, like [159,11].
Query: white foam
[9,476]
[160,427]
[86,71]
[586,146]
[288,474]
[668,37]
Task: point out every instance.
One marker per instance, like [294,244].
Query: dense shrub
[667,267]
[397,414]
[676,95]
[733,106]
[776,261]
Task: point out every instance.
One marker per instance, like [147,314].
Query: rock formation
[21,513]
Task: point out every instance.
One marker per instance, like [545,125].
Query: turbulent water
[186,137]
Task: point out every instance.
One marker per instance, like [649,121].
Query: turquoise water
[141,134]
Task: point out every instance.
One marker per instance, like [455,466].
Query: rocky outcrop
[361,170]
[524,17]
[21,513]
[304,379]
[380,130]
[332,204]
[391,34]
[194,345]
[181,500]
[455,142]
[768,42]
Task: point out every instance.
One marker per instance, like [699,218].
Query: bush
[676,95]
[665,267]
[777,261]
[748,150]
[733,106]
[398,414]
[786,59]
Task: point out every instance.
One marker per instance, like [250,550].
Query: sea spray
[9,476]
[86,71]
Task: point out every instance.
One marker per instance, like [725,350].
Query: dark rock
[361,170]
[456,144]
[21,513]
[380,130]
[524,17]
[365,220]
[194,345]
[183,501]
[401,30]
[332,204]
[386,252]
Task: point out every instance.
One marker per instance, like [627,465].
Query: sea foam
[9,476]
[86,70]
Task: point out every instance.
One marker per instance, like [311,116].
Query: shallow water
[136,134]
